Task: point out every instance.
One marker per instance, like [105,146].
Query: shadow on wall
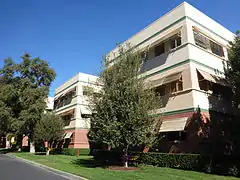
[154,62]
[225,125]
[197,136]
[216,131]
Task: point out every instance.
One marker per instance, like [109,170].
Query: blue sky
[73,35]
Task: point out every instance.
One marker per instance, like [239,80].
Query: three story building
[185,53]
[71,102]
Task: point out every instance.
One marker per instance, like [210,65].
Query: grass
[84,166]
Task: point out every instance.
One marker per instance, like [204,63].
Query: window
[169,88]
[216,49]
[67,119]
[160,49]
[176,136]
[87,90]
[144,55]
[175,41]
[205,85]
[201,40]
[160,90]
[207,43]
[175,86]
[215,88]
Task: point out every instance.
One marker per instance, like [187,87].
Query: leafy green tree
[232,73]
[36,77]
[26,86]
[5,119]
[233,69]
[50,129]
[8,100]
[123,106]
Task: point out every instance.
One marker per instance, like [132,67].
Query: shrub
[114,156]
[180,161]
[233,171]
[71,151]
[218,164]
[25,149]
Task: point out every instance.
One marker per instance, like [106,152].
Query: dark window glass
[216,49]
[201,40]
[175,41]
[160,49]
[176,135]
[180,86]
[173,87]
[161,90]
[87,91]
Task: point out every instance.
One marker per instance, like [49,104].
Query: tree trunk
[32,146]
[126,164]
[7,144]
[126,157]
[48,151]
[49,147]
[19,142]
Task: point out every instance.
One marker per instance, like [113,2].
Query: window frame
[176,41]
[167,43]
[168,87]
[209,43]
[200,41]
[221,51]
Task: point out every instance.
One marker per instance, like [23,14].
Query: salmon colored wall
[79,138]
[25,141]
[197,133]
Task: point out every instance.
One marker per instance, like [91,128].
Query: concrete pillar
[188,32]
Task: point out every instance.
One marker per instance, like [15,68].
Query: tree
[233,69]
[232,73]
[27,85]
[5,119]
[7,98]
[50,129]
[123,106]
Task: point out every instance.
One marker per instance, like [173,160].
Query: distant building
[71,103]
[50,103]
[184,55]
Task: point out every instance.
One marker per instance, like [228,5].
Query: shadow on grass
[90,163]
[40,153]
[93,163]
[5,151]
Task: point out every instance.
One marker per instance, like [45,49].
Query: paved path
[14,169]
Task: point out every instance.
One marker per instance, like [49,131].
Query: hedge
[113,157]
[180,161]
[217,164]
[71,151]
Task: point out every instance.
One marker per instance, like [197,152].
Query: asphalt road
[14,169]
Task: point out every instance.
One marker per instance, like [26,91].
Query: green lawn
[80,166]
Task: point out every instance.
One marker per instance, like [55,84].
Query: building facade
[185,53]
[71,103]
